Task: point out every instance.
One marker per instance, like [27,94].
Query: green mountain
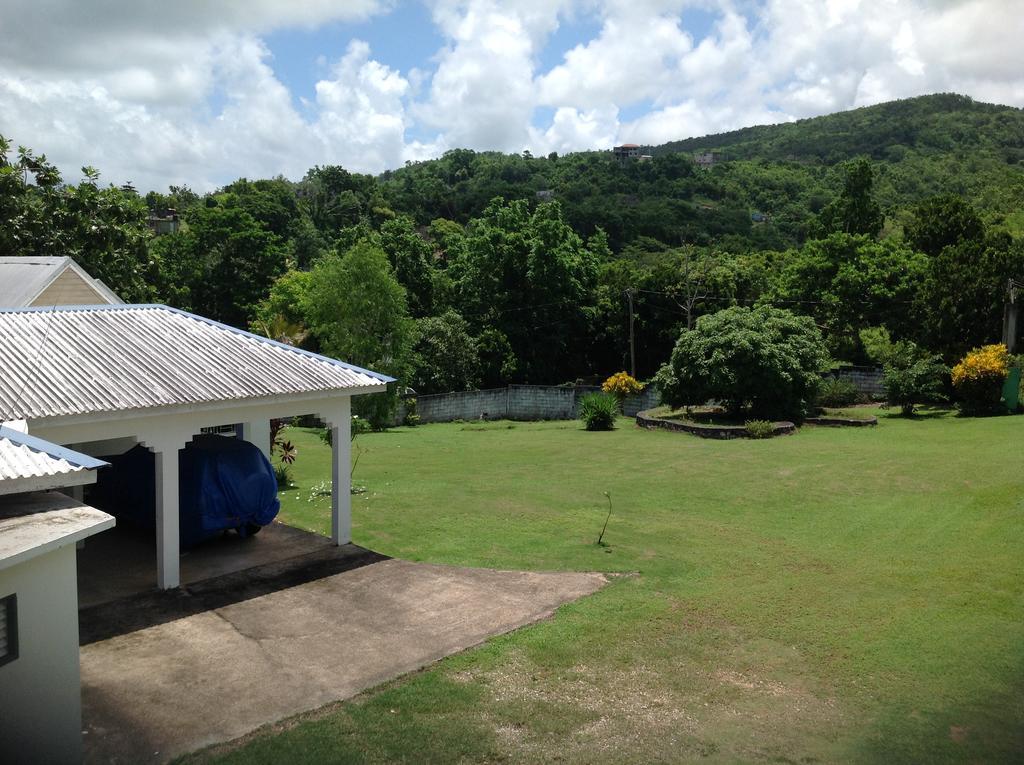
[767,188]
[929,125]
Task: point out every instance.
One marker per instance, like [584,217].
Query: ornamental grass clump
[621,385]
[598,411]
[979,377]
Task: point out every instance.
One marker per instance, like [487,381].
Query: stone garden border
[720,432]
[842,422]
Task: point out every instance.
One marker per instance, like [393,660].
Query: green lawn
[839,595]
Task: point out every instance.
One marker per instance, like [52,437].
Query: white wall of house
[40,697]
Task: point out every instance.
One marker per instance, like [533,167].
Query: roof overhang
[28,463]
[213,408]
[34,524]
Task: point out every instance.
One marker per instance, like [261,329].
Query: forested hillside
[480,268]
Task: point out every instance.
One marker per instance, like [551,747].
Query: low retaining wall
[518,402]
[719,432]
[841,422]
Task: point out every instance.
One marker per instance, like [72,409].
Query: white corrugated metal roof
[22,278]
[90,359]
[24,456]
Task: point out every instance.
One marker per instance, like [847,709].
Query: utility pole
[632,344]
[1010,316]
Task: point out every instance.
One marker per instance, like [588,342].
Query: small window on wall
[8,629]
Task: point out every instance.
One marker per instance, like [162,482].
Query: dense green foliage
[763,360]
[445,355]
[515,268]
[911,375]
[356,309]
[837,392]
[103,229]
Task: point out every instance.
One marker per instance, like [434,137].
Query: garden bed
[842,418]
[705,423]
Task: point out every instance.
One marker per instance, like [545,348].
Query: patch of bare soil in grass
[725,710]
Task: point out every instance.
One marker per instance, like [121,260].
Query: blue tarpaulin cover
[224,483]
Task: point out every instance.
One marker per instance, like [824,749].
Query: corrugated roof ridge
[105,307]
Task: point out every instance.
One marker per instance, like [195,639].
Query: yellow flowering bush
[621,384]
[979,378]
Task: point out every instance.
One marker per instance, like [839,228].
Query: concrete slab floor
[159,692]
[122,561]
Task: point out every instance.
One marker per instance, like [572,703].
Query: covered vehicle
[223,483]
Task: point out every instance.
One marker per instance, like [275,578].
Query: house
[707,159]
[106,378]
[168,223]
[48,281]
[626,151]
[40,701]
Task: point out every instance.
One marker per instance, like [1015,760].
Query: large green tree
[848,282]
[855,210]
[530,277]
[222,263]
[357,311]
[445,356]
[764,362]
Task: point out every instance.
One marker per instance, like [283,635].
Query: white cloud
[633,59]
[361,119]
[184,93]
[482,93]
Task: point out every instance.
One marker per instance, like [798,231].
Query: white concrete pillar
[340,422]
[258,432]
[168,546]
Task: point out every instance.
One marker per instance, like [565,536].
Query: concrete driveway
[212,676]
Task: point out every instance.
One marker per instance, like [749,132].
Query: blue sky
[200,93]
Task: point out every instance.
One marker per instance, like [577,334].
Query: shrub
[911,376]
[760,428]
[915,382]
[598,411]
[979,377]
[283,475]
[835,392]
[621,385]
[411,418]
[763,358]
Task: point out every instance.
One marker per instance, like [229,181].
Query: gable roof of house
[23,278]
[114,358]
[49,466]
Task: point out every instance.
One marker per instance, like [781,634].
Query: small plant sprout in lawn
[600,537]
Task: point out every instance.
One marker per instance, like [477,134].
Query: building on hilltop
[626,152]
[708,158]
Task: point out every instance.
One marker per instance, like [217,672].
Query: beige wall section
[40,696]
[69,289]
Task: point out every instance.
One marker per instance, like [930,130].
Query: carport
[103,378]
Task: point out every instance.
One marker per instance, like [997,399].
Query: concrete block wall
[867,379]
[649,398]
[464,405]
[517,402]
[540,402]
